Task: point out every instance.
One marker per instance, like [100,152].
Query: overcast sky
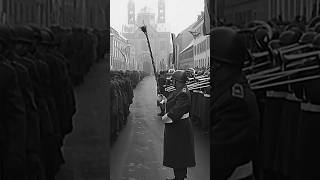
[179,13]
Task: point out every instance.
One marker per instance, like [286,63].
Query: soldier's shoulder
[238,91]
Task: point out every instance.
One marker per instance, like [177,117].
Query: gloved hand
[166,119]
[164,100]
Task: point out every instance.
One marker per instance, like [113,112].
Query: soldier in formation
[38,69]
[121,97]
[271,128]
[235,112]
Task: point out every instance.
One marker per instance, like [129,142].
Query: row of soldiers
[82,46]
[121,97]
[38,70]
[273,125]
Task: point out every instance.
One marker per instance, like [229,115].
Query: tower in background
[161,11]
[131,12]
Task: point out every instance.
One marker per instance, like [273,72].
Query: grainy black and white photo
[266,109]
[53,90]
[160,90]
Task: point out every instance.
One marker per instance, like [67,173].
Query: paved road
[137,153]
[86,149]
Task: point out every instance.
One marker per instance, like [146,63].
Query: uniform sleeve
[16,115]
[181,107]
[230,123]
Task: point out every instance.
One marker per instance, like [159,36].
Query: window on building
[15,12]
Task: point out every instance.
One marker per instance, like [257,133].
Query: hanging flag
[207,19]
[173,37]
[195,34]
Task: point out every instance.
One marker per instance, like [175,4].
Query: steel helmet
[307,37]
[287,38]
[317,28]
[180,76]
[24,34]
[6,35]
[316,41]
[228,46]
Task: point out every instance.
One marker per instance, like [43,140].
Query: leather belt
[310,107]
[185,116]
[277,94]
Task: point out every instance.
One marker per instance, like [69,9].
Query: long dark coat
[179,151]
[235,124]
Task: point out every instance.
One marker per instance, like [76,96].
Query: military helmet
[316,41]
[228,46]
[37,31]
[287,38]
[307,37]
[180,76]
[6,35]
[24,34]
[317,28]
[262,37]
[298,32]
[313,22]
[47,36]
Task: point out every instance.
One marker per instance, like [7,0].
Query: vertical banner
[206,24]
[173,37]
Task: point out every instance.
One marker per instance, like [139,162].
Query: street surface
[86,149]
[137,153]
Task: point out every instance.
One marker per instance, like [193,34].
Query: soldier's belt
[277,94]
[185,116]
[310,107]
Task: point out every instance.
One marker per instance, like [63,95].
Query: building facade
[120,52]
[242,11]
[159,40]
[67,13]
[183,42]
[201,46]
[194,46]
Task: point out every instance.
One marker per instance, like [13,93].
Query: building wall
[200,47]
[119,45]
[85,13]
[242,11]
[186,59]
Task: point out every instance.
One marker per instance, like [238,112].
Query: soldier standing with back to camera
[235,112]
[179,152]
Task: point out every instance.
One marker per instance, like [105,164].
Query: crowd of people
[39,68]
[122,84]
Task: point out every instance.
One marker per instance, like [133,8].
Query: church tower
[161,12]
[131,12]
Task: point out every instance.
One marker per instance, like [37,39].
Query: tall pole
[144,30]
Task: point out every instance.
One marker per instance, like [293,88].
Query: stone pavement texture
[86,149]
